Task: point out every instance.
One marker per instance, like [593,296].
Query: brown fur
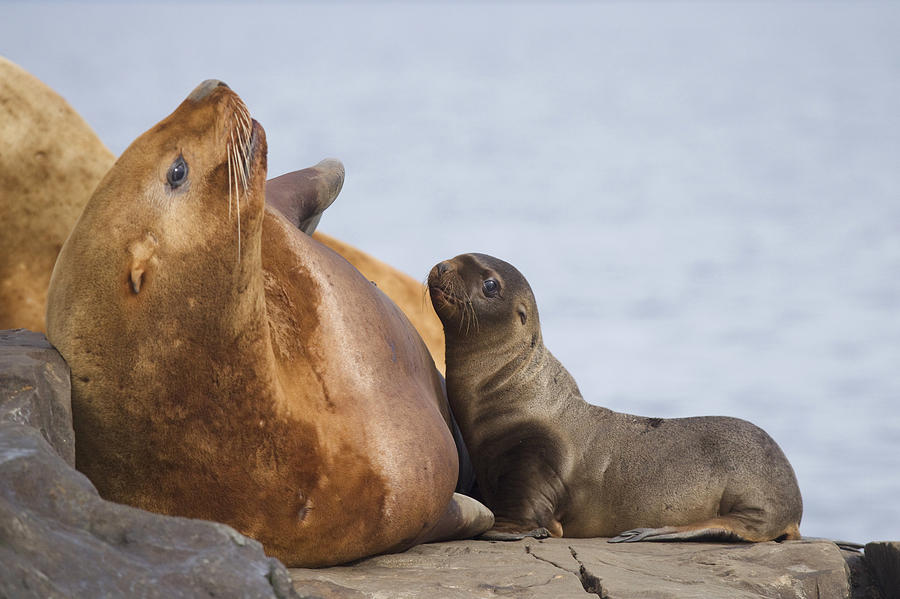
[408,293]
[274,389]
[50,162]
[546,459]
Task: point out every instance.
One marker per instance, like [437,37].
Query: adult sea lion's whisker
[237,193]
[242,167]
[229,179]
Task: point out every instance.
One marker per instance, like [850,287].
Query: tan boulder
[50,163]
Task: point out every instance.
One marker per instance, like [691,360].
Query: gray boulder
[35,390]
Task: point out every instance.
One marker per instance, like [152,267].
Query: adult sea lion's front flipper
[302,196]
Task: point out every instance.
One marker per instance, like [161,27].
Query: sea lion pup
[226,366]
[546,459]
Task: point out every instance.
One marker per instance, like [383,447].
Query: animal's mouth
[450,300]
[443,296]
[441,291]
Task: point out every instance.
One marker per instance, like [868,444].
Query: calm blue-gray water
[705,197]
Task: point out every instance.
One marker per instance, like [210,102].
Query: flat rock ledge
[58,538]
[562,568]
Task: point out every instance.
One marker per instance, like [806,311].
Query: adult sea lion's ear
[523,314]
[303,195]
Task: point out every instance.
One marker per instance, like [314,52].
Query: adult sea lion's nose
[205,88]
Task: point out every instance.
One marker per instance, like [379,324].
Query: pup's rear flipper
[724,528]
[672,533]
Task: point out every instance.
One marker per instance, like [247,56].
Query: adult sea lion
[226,366]
[408,293]
[302,197]
[546,459]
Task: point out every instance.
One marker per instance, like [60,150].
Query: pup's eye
[178,172]
[491,288]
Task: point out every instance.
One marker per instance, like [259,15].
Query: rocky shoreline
[588,567]
[58,538]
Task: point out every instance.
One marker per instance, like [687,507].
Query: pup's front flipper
[501,535]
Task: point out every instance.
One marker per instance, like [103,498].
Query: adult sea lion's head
[173,230]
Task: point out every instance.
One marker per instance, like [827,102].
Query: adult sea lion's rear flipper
[464,518]
[303,195]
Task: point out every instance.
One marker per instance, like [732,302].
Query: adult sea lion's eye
[177,172]
[490,287]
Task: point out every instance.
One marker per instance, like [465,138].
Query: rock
[593,567]
[452,569]
[35,389]
[863,584]
[58,538]
[883,559]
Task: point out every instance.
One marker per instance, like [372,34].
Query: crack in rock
[590,582]
[544,559]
